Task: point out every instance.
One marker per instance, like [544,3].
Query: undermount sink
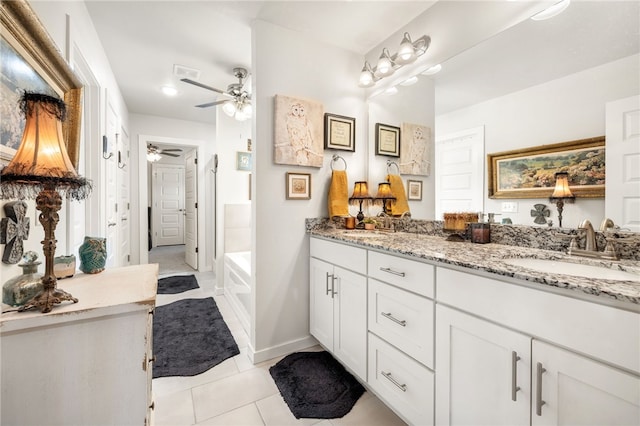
[574,269]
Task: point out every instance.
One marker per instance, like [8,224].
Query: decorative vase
[20,289]
[64,266]
[93,255]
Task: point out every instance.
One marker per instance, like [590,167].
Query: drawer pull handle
[389,377]
[391,271]
[389,315]
[539,401]
[514,375]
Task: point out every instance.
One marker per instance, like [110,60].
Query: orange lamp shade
[562,186]
[360,191]
[384,191]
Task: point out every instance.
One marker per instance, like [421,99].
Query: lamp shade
[406,52]
[384,191]
[41,158]
[384,67]
[360,191]
[562,186]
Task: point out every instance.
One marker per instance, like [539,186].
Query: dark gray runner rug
[315,385]
[177,284]
[190,337]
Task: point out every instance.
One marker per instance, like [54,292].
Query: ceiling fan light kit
[387,64]
[155,153]
[239,103]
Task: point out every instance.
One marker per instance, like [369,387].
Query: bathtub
[237,285]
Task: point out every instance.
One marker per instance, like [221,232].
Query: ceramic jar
[93,255]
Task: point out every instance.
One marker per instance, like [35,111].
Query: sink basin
[574,269]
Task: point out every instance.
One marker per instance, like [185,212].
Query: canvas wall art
[298,132]
[415,149]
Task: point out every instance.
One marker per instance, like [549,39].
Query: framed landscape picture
[529,172]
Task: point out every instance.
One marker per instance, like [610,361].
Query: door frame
[143,193]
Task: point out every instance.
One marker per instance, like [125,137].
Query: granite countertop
[491,258]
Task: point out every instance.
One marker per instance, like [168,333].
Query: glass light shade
[360,190]
[406,53]
[384,67]
[384,191]
[366,76]
[562,186]
[248,110]
[229,108]
[153,157]
[42,151]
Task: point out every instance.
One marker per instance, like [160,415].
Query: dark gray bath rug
[190,337]
[177,284]
[315,385]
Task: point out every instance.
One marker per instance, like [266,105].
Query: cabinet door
[482,372]
[569,389]
[350,320]
[321,302]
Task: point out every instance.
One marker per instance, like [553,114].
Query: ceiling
[144,39]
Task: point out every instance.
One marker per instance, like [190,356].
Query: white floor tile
[369,411]
[174,409]
[275,412]
[247,415]
[227,394]
[168,385]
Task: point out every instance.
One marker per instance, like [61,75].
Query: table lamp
[561,193]
[360,195]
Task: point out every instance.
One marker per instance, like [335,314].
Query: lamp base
[46,299]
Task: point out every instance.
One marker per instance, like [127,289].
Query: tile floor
[235,392]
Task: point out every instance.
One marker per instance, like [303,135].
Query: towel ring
[392,163]
[336,158]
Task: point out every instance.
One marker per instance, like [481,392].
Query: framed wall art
[415,149]
[298,131]
[387,140]
[414,190]
[298,186]
[30,61]
[243,161]
[529,172]
[339,132]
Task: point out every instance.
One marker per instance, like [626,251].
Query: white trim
[280,350]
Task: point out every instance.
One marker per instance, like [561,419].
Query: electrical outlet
[510,207]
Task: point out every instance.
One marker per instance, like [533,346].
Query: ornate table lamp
[41,169]
[360,195]
[384,194]
[561,193]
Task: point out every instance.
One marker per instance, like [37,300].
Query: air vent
[181,71]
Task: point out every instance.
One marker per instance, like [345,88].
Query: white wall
[413,104]
[561,110]
[289,63]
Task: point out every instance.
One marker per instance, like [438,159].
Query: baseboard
[218,290]
[280,350]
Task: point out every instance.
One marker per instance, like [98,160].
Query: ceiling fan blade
[170,154]
[172,149]
[204,86]
[210,104]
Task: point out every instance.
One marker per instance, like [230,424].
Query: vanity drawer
[403,383]
[408,274]
[352,258]
[403,319]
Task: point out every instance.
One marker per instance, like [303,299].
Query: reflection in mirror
[537,83]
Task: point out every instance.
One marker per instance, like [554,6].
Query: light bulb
[385,65]
[366,76]
[247,110]
[229,108]
[406,53]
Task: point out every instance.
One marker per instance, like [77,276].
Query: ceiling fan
[154,153]
[238,102]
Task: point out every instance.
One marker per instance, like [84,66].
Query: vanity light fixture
[552,11]
[387,64]
[360,195]
[561,193]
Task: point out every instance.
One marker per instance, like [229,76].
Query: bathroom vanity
[458,333]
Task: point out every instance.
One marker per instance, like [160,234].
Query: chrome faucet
[591,246]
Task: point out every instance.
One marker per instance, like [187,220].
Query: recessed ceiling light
[433,70]
[551,11]
[169,91]
[410,81]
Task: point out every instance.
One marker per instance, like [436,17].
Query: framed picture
[298,132]
[414,190]
[298,186]
[415,149]
[243,161]
[529,173]
[387,140]
[339,132]
[30,60]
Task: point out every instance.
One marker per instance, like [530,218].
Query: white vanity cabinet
[84,363]
[338,302]
[501,362]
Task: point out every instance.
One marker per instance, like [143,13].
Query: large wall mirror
[536,83]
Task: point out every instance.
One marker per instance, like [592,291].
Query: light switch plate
[510,207]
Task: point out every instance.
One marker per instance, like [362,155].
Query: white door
[579,391]
[350,320]
[460,172]
[111,188]
[483,372]
[321,302]
[191,209]
[622,193]
[168,204]
[125,198]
